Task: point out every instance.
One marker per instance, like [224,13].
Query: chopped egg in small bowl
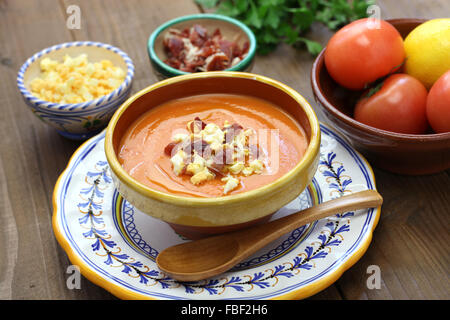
[76,86]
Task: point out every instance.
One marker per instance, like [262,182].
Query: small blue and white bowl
[77,121]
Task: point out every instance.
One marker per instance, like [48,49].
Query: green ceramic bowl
[230,28]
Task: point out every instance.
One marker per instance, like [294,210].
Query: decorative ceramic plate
[115,245]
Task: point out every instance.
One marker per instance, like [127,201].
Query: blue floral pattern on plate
[119,244]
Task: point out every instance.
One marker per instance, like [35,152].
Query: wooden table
[410,244]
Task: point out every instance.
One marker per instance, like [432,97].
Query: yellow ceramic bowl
[198,217]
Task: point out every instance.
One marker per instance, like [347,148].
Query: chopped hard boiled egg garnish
[231,183]
[257,166]
[237,167]
[210,151]
[178,162]
[202,176]
[75,80]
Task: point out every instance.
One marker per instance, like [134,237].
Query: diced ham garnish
[207,50]
[185,33]
[191,66]
[217,61]
[201,123]
[171,149]
[227,48]
[197,125]
[254,151]
[245,48]
[175,46]
[197,35]
[237,52]
[174,63]
[223,157]
[217,33]
[232,131]
[193,49]
[217,169]
[197,145]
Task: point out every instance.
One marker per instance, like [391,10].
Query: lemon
[427,50]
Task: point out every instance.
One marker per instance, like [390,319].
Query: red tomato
[362,52]
[399,106]
[438,104]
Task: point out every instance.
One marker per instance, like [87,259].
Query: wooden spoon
[204,258]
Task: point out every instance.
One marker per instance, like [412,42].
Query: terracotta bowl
[198,217]
[395,152]
[231,29]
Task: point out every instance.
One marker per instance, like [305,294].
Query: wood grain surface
[410,244]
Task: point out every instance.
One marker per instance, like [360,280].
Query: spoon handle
[268,232]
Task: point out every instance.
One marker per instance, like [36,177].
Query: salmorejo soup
[211,145]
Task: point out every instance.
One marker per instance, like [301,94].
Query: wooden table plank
[411,241]
[31,268]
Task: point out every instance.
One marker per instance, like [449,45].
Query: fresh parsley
[276,21]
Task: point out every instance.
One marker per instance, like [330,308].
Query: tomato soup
[257,141]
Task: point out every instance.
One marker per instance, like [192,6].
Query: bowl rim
[319,63]
[87,105]
[242,64]
[308,158]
